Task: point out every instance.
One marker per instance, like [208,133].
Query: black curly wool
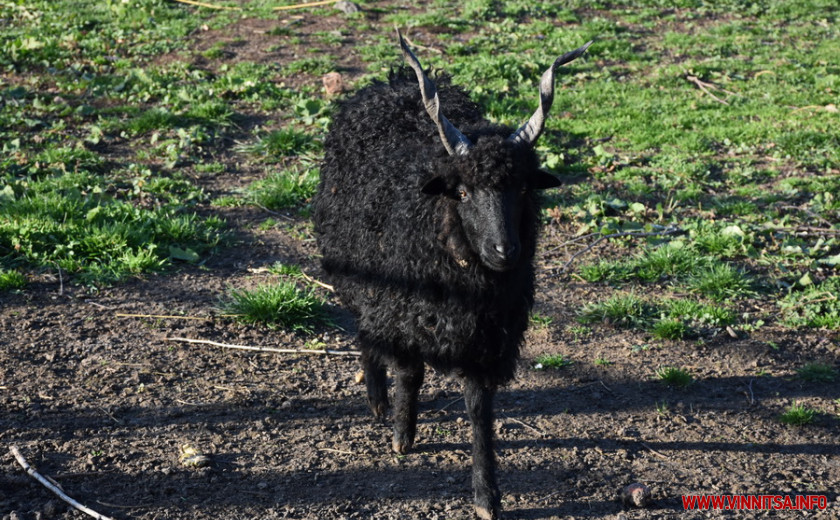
[399,258]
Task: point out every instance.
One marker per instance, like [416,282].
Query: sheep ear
[543,180]
[436,186]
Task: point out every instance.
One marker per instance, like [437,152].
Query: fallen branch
[162,316]
[448,405]
[316,282]
[52,487]
[300,6]
[706,86]
[665,232]
[532,428]
[323,352]
[658,454]
[209,6]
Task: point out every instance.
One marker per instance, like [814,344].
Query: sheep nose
[505,251]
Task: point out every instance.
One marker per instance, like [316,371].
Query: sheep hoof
[487,514]
[400,448]
[380,411]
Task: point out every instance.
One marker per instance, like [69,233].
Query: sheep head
[488,203]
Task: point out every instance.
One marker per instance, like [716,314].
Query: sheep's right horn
[530,131]
[454,141]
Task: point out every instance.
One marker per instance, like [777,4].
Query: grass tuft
[11,280]
[818,306]
[624,310]
[284,189]
[676,377]
[276,305]
[551,361]
[798,415]
[817,373]
[720,281]
[669,328]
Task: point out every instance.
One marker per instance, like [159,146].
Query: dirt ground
[104,404]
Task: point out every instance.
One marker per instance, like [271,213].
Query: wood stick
[658,454]
[532,428]
[316,282]
[300,6]
[208,6]
[324,352]
[702,84]
[161,316]
[49,485]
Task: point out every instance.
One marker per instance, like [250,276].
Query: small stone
[636,494]
[347,7]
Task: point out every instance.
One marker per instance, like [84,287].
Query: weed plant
[276,305]
[545,361]
[798,415]
[283,189]
[11,280]
[817,373]
[675,377]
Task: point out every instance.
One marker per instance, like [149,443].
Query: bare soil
[104,403]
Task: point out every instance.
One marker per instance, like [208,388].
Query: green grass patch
[623,310]
[669,328]
[817,373]
[798,415]
[675,377]
[541,322]
[287,142]
[284,189]
[276,305]
[720,281]
[74,221]
[11,280]
[817,306]
[547,361]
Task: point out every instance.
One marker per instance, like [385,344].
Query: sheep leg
[408,378]
[377,385]
[479,403]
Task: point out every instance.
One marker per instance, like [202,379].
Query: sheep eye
[462,194]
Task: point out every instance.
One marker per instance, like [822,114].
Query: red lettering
[689,502]
[737,502]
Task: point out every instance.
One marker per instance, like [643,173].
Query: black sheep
[431,247]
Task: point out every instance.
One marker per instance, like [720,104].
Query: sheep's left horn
[454,141]
[530,131]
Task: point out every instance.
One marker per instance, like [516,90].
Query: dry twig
[162,316]
[532,428]
[316,282]
[706,86]
[657,453]
[209,6]
[52,487]
[300,6]
[323,352]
